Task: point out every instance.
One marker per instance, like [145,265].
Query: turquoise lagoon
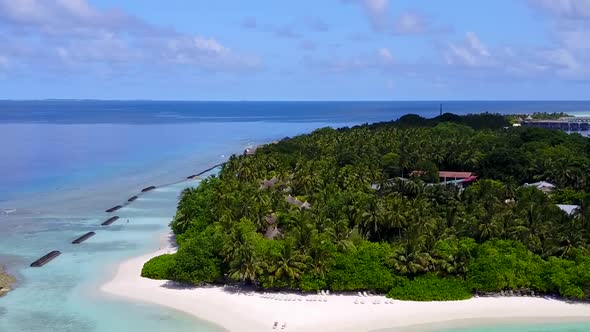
[522,327]
[45,215]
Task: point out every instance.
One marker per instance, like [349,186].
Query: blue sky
[295,50]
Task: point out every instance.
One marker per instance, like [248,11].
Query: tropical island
[418,209]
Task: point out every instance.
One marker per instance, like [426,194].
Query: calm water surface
[547,327]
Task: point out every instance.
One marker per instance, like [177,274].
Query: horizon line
[295,101]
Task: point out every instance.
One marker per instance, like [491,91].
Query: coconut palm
[290,264]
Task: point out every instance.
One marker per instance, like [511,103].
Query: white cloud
[569,58]
[561,58]
[77,34]
[565,64]
[107,48]
[378,13]
[471,52]
[385,55]
[472,57]
[209,45]
[381,59]
[565,8]
[67,17]
[476,45]
[409,23]
[575,39]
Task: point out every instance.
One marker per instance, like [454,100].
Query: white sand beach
[257,312]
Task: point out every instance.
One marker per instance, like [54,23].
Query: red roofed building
[463,179]
[448,176]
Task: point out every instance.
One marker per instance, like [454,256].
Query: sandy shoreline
[254,312]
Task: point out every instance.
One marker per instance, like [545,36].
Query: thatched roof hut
[544,186]
[267,184]
[271,219]
[294,201]
[250,151]
[272,232]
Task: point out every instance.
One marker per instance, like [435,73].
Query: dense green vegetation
[158,267]
[569,196]
[514,118]
[375,223]
[431,287]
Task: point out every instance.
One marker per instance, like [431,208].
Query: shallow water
[48,215]
[546,327]
[63,294]
[63,163]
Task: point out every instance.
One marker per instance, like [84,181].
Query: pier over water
[570,125]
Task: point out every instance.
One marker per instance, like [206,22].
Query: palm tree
[411,261]
[339,234]
[582,214]
[352,208]
[303,231]
[487,228]
[372,220]
[394,215]
[289,265]
[187,208]
[244,266]
[320,257]
[571,236]
[405,187]
[239,252]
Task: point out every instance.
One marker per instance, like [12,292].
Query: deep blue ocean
[62,163]
[158,112]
